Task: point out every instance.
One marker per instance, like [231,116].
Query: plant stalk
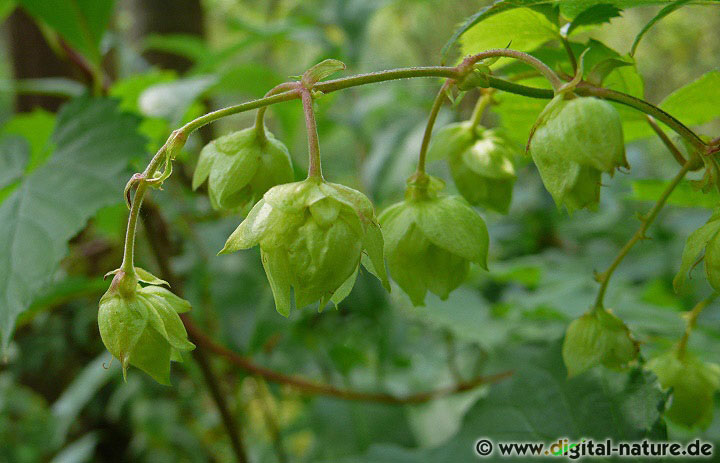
[437,103]
[640,233]
[314,165]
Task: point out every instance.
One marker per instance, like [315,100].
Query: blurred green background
[167,62]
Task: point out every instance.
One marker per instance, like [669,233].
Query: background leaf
[93,145]
[81,22]
[519,29]
[685,194]
[596,14]
[661,14]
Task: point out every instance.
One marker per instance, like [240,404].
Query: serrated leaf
[596,14]
[81,22]
[93,145]
[498,7]
[523,28]
[572,8]
[661,14]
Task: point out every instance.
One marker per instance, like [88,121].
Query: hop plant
[693,384]
[240,167]
[480,161]
[431,239]
[598,337]
[705,237]
[312,235]
[572,143]
[140,325]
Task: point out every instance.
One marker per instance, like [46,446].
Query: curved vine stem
[437,103]
[178,137]
[541,67]
[260,117]
[647,220]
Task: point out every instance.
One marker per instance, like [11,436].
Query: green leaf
[661,14]
[13,160]
[596,14]
[172,100]
[572,8]
[81,22]
[52,86]
[539,403]
[497,7]
[694,245]
[684,195]
[523,28]
[192,47]
[36,127]
[697,102]
[6,7]
[321,71]
[83,388]
[93,145]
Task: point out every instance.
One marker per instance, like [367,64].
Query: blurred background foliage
[167,63]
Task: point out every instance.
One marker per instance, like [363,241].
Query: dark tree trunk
[31,58]
[166,17]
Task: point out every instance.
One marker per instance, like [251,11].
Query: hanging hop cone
[572,143]
[598,337]
[140,325]
[241,167]
[431,239]
[480,161]
[312,235]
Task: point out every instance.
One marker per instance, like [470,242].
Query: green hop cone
[480,161]
[431,239]
[140,325]
[693,384]
[312,235]
[240,167]
[598,337]
[572,143]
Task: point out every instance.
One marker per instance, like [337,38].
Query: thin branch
[314,388]
[158,245]
[437,103]
[679,158]
[604,277]
[314,164]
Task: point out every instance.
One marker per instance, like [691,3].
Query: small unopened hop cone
[140,325]
[240,167]
[480,161]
